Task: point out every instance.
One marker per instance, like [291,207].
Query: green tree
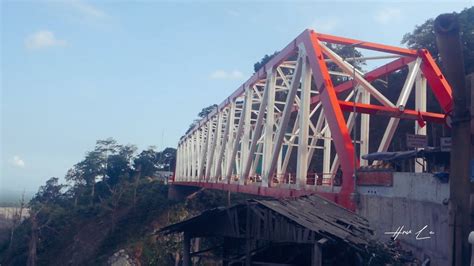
[202,114]
[265,59]
[146,162]
[49,193]
[119,164]
[207,110]
[423,37]
[346,52]
[85,173]
[108,162]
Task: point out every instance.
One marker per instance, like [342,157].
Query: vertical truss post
[203,152]
[215,122]
[276,156]
[289,149]
[199,148]
[327,151]
[188,158]
[235,147]
[269,124]
[258,129]
[192,160]
[258,156]
[178,158]
[182,157]
[317,132]
[217,144]
[223,145]
[279,164]
[303,113]
[244,146]
[230,142]
[364,129]
[181,165]
[420,105]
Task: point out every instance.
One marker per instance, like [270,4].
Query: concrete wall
[415,201]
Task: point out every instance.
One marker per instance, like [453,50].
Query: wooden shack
[300,231]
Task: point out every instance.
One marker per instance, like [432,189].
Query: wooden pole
[248,240]
[316,255]
[186,249]
[449,46]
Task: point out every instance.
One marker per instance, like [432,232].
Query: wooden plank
[316,256]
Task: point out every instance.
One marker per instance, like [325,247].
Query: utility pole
[449,45]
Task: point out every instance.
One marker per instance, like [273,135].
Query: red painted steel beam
[392,112]
[438,83]
[334,116]
[366,45]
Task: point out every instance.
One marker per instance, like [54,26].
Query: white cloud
[222,74]
[17,161]
[43,39]
[325,24]
[87,10]
[387,15]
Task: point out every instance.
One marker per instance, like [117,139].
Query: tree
[119,164]
[87,171]
[51,192]
[207,110]
[108,162]
[146,162]
[423,37]
[345,52]
[202,114]
[265,59]
[17,218]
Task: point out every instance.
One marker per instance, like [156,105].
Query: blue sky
[73,72]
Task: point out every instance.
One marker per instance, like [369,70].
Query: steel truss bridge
[302,106]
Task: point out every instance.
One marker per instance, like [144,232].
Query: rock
[120,258]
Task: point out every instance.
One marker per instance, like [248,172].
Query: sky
[73,72]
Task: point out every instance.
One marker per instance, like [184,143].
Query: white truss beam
[303,113]
[420,105]
[414,68]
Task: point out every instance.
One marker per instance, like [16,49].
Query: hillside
[91,235]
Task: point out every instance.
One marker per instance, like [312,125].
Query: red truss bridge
[299,110]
